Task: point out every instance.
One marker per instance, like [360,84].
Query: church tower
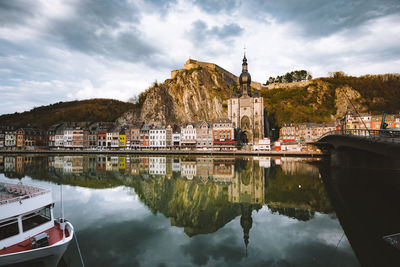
[245,79]
[246,111]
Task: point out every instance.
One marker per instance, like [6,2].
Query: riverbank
[170,152]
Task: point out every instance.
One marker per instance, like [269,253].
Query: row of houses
[291,135]
[352,120]
[304,132]
[218,134]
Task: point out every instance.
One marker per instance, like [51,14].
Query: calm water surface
[191,211]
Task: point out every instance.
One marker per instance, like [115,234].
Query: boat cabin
[26,213]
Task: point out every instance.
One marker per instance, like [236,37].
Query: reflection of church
[248,190]
[246,111]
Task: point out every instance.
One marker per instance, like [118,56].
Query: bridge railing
[387,135]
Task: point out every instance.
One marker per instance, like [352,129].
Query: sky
[52,51]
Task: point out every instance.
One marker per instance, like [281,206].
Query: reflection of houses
[1,164]
[9,164]
[297,166]
[58,163]
[144,167]
[19,164]
[101,162]
[204,168]
[264,162]
[135,161]
[73,164]
[157,165]
[188,169]
[112,163]
[121,163]
[176,164]
[223,170]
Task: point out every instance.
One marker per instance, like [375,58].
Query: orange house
[20,138]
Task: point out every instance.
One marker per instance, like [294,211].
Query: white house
[188,135]
[158,137]
[68,136]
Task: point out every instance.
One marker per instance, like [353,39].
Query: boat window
[8,228]
[36,218]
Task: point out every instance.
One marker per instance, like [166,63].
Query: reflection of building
[264,162]
[248,184]
[188,169]
[157,165]
[176,164]
[223,170]
[9,164]
[204,168]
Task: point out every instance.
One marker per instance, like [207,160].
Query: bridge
[362,148]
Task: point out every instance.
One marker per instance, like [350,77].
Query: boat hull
[49,256]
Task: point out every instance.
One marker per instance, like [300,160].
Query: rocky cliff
[194,94]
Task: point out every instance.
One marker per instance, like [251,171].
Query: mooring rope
[79,250]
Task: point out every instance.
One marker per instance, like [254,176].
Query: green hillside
[318,101]
[85,110]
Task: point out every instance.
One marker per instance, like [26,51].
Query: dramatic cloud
[61,50]
[200,33]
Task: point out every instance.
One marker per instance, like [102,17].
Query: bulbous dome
[245,78]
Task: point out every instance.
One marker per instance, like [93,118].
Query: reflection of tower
[248,183]
[246,222]
[247,189]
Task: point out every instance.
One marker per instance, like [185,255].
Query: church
[246,110]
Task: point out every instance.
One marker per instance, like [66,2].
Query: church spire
[246,222]
[245,78]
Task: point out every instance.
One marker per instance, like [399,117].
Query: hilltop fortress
[194,64]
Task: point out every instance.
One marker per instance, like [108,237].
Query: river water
[194,211]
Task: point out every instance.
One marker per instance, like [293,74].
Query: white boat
[28,230]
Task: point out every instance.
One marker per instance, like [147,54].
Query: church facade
[246,110]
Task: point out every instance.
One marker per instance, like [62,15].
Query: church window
[256,100]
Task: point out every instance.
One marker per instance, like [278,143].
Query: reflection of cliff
[197,207]
[289,192]
[205,207]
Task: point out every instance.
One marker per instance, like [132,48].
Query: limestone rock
[196,94]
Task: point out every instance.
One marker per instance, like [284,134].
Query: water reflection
[200,210]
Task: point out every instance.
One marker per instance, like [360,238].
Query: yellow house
[122,138]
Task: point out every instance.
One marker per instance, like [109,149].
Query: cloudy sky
[53,51]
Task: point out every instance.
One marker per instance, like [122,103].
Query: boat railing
[386,135]
[23,191]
